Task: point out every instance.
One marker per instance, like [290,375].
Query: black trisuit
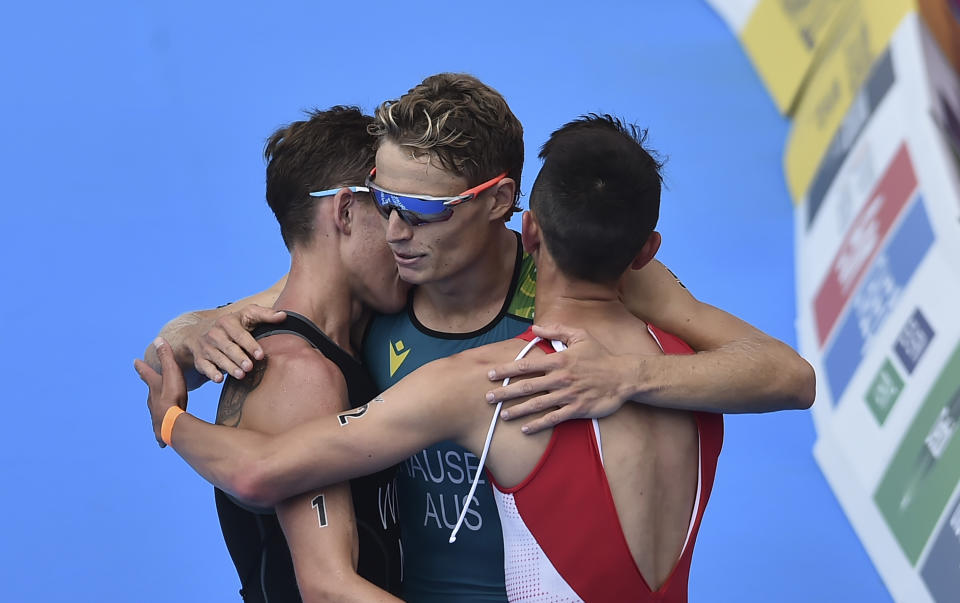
[254,537]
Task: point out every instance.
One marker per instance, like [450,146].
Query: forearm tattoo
[235,393]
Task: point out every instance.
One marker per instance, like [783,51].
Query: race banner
[873,166]
[858,35]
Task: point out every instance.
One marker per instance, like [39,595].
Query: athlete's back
[631,487]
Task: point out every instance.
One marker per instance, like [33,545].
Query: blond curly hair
[464,124]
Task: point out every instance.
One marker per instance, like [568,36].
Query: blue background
[133,191]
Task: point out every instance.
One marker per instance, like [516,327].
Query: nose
[397,229]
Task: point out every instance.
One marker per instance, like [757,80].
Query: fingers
[220,349]
[567,335]
[153,379]
[253,315]
[147,374]
[533,406]
[526,387]
[526,366]
[208,369]
[215,362]
[549,420]
[231,335]
[172,377]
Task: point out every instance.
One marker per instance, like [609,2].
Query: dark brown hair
[330,149]
[597,196]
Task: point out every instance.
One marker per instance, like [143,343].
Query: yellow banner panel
[781,38]
[854,40]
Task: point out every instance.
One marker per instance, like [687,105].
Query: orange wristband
[166,428]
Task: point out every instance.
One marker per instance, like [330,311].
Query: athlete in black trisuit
[253,535]
[338,543]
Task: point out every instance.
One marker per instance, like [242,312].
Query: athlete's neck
[468,300]
[578,303]
[319,290]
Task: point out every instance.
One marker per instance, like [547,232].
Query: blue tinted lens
[413,211]
[420,206]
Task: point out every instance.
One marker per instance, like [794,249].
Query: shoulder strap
[486,449]
[548,347]
[297,324]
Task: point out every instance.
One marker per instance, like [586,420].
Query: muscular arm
[319,525]
[201,360]
[738,368]
[325,566]
[264,469]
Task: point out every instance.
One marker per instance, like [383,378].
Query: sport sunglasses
[334,191]
[416,210]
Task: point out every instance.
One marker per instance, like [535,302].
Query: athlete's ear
[649,249]
[504,193]
[530,232]
[344,205]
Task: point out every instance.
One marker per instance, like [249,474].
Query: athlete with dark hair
[344,546]
[448,163]
[630,488]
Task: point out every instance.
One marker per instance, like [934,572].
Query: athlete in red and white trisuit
[589,558]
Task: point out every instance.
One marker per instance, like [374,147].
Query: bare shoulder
[299,364]
[499,352]
[298,384]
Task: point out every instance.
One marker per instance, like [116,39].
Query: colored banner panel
[943,19]
[877,296]
[875,90]
[863,240]
[859,34]
[941,571]
[926,467]
[884,391]
[913,341]
[781,39]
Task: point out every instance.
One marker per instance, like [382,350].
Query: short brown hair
[461,121]
[332,148]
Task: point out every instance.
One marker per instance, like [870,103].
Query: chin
[412,276]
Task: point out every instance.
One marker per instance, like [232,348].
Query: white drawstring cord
[486,449]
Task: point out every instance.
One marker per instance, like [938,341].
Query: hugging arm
[320,528]
[264,469]
[737,368]
[291,385]
[207,343]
